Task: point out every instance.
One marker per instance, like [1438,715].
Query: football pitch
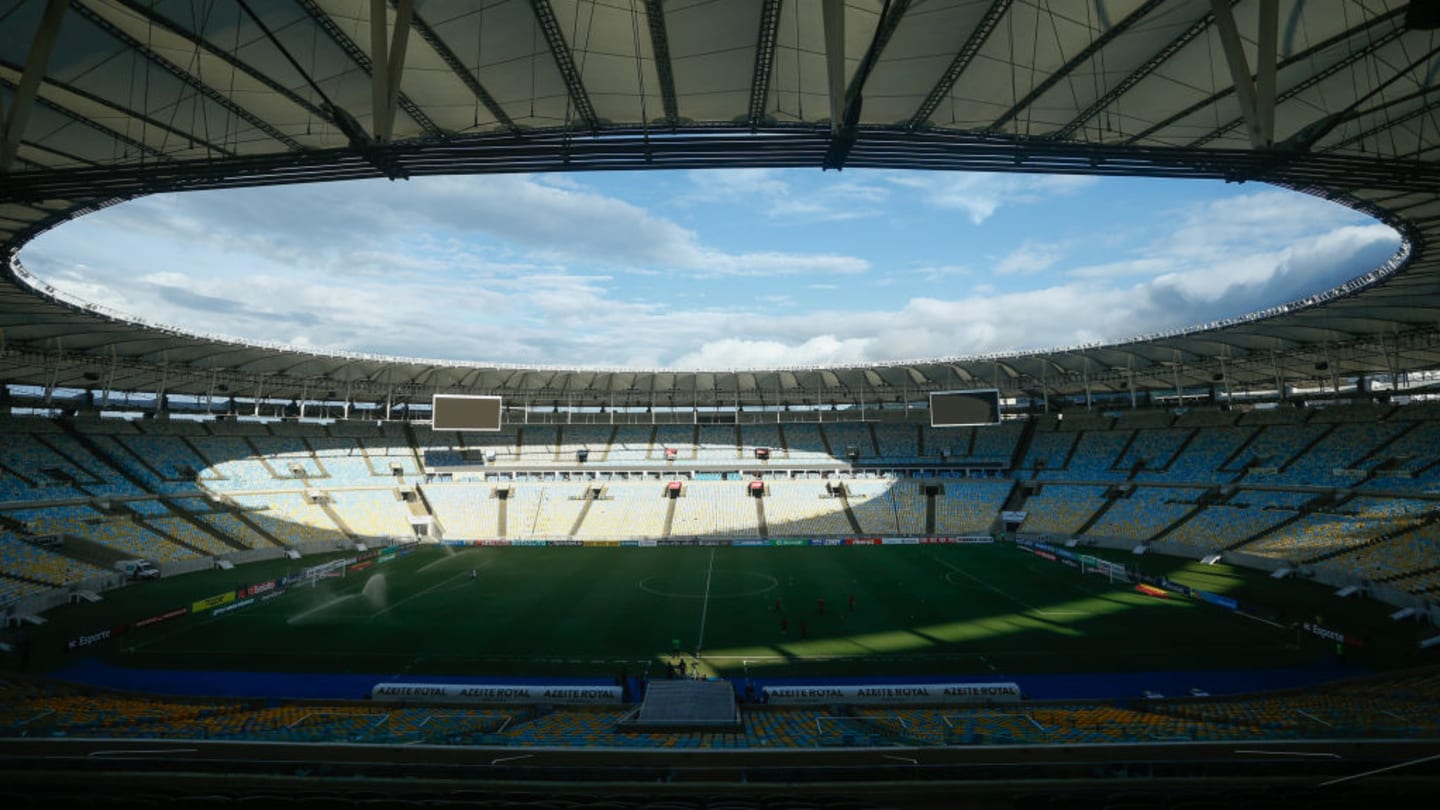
[972,610]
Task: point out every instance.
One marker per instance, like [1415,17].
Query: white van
[137,569]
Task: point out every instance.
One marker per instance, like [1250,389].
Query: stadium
[1197,568]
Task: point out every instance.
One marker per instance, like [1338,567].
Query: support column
[1279,376]
[1225,381]
[12,123]
[833,12]
[387,57]
[1179,394]
[1256,95]
[110,378]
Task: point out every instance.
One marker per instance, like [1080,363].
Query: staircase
[1112,495]
[1206,499]
[1135,466]
[145,524]
[932,491]
[760,516]
[412,444]
[1022,447]
[336,519]
[1318,502]
[68,425]
[589,498]
[843,495]
[258,529]
[89,551]
[669,515]
[1305,451]
[203,526]
[1427,520]
[502,514]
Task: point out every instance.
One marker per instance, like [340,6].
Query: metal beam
[557,150]
[1257,94]
[957,66]
[1305,138]
[1060,74]
[833,14]
[453,62]
[362,59]
[1311,80]
[89,123]
[1133,77]
[1388,123]
[147,12]
[764,60]
[390,57]
[844,131]
[660,49]
[73,158]
[187,78]
[12,123]
[1305,55]
[565,63]
[1265,57]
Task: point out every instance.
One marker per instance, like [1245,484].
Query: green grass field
[921,610]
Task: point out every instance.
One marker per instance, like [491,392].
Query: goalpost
[335,569]
[1110,570]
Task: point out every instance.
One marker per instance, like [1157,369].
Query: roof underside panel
[712,61]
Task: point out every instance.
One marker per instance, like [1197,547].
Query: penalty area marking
[1021,602]
[773,583]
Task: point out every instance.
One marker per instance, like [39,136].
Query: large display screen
[459,412]
[962,408]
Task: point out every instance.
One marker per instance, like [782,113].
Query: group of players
[804,624]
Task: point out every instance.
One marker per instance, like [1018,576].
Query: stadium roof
[106,100]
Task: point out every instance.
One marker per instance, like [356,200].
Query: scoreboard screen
[459,412]
[963,408]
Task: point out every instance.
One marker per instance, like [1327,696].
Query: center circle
[723,585]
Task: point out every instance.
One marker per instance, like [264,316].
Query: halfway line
[705,606]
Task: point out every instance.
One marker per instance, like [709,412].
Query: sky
[733,269]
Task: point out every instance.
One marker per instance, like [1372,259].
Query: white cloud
[1028,258]
[765,190]
[345,230]
[738,353]
[538,271]
[980,195]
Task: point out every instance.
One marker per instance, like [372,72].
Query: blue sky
[708,270]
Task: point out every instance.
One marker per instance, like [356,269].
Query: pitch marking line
[1021,602]
[762,588]
[705,606]
[322,606]
[445,559]
[437,586]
